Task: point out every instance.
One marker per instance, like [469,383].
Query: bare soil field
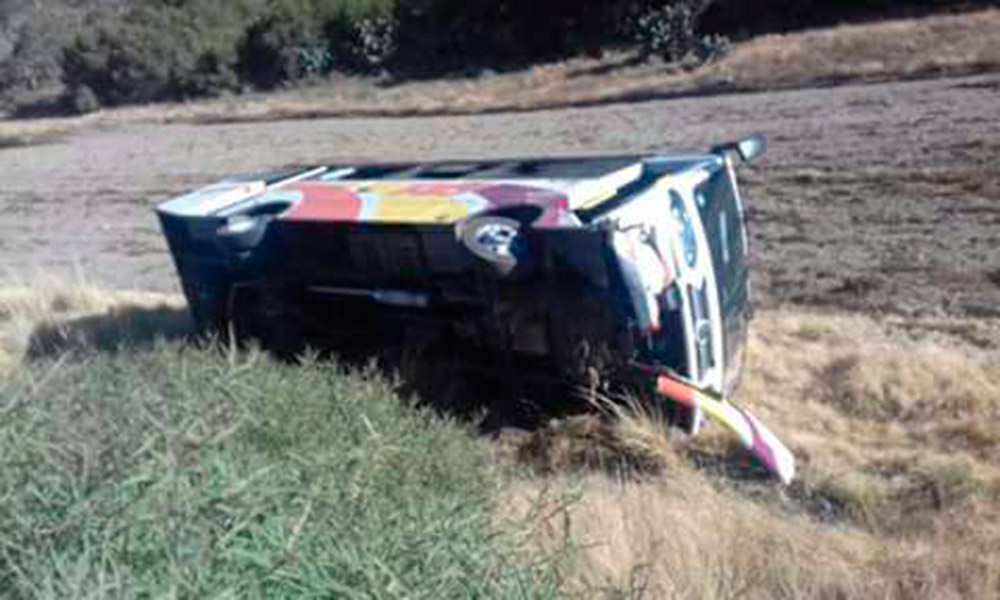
[881,197]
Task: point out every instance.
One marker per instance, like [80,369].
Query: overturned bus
[545,267]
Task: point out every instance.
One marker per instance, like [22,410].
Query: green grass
[186,472]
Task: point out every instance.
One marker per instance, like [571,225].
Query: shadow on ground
[121,328]
[445,381]
[548,428]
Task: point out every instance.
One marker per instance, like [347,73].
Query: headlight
[240,233]
[689,245]
[237,225]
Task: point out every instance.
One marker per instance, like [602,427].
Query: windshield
[723,224]
[720,213]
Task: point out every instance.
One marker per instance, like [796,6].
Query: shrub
[282,45]
[373,41]
[31,37]
[437,35]
[671,33]
[713,47]
[82,100]
[297,39]
[440,35]
[187,48]
[157,52]
[363,34]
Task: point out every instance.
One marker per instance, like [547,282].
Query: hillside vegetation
[925,47]
[110,52]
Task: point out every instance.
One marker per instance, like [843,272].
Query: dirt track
[882,197]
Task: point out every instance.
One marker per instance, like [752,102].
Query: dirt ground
[880,197]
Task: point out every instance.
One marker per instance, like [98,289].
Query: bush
[82,100]
[671,33]
[441,35]
[372,41]
[282,45]
[713,47]
[32,35]
[157,52]
[299,39]
[150,50]
[187,48]
[184,472]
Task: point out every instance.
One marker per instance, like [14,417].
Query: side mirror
[749,148]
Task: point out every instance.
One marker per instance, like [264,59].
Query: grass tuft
[921,383]
[624,437]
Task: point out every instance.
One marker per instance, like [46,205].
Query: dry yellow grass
[51,315]
[902,48]
[683,537]
[950,44]
[895,427]
[896,384]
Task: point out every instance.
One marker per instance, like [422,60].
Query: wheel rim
[496,238]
